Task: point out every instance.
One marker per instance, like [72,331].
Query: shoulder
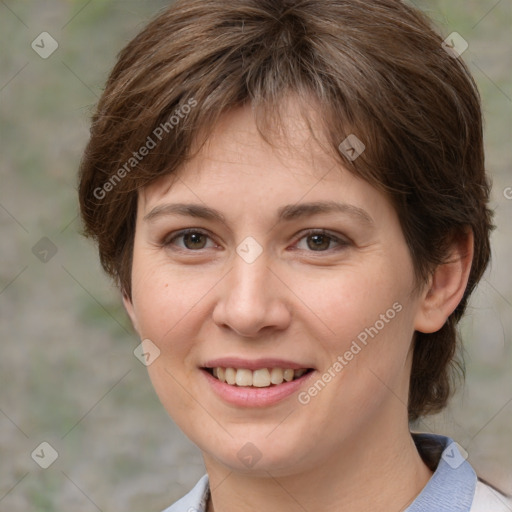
[454,485]
[488,499]
[195,500]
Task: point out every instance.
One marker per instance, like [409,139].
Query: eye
[320,241]
[191,239]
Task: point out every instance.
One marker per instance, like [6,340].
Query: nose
[252,300]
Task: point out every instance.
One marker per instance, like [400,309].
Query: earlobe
[128,306]
[446,286]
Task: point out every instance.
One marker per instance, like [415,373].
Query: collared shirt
[454,486]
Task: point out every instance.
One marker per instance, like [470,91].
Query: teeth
[243,377]
[261,378]
[230,376]
[288,375]
[276,376]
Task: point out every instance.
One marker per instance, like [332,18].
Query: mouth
[255,383]
[257,378]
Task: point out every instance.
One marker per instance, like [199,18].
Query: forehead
[247,183]
[237,152]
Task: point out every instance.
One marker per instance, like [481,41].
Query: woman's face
[277,264]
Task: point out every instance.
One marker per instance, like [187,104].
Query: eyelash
[342,243]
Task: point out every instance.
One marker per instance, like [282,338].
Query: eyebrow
[285,213]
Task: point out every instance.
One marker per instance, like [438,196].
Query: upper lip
[253,364]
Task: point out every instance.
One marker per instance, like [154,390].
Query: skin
[349,448]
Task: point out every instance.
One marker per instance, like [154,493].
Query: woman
[293,201]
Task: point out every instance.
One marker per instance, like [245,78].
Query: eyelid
[342,240]
[168,239]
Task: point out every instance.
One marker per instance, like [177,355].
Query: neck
[378,470]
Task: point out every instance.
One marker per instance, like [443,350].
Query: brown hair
[374,69]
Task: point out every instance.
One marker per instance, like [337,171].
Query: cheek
[167,299]
[169,307]
[365,326]
[172,306]
[349,302]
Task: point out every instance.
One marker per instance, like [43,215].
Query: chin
[253,451]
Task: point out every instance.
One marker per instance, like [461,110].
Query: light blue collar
[450,489]
[452,486]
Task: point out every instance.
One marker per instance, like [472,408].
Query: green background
[67,371]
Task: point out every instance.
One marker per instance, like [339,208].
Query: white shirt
[486,499]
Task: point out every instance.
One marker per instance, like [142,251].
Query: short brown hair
[375,69]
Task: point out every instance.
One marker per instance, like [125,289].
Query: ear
[446,286]
[128,306]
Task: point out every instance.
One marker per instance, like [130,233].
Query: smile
[259,378]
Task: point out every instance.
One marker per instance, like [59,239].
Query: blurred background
[68,376]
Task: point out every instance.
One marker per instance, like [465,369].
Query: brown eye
[191,240]
[195,240]
[319,242]
[322,241]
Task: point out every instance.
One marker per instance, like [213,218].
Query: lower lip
[255,397]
